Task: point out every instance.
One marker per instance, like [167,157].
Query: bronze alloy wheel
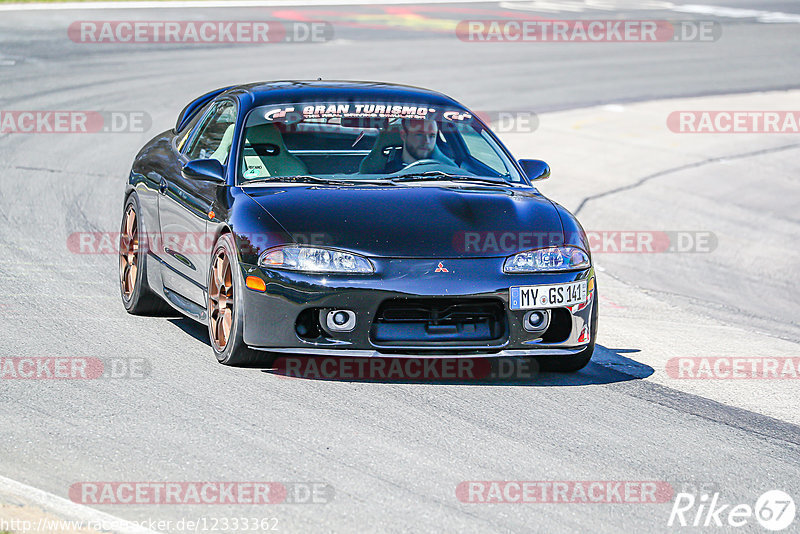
[220,300]
[129,252]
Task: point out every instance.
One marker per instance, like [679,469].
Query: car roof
[277,92]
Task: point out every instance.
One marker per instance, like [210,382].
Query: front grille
[439,322]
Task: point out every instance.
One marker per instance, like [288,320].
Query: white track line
[64,508]
[60,6]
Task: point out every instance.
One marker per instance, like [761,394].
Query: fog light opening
[307,325]
[536,321]
[340,320]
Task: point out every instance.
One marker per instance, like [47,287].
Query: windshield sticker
[456,116]
[301,112]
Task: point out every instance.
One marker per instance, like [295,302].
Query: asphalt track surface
[394,453]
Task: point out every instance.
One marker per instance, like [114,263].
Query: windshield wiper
[439,175]
[297,178]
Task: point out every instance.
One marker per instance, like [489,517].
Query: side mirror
[207,170]
[535,169]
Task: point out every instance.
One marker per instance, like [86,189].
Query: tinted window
[368,140]
[184,134]
[213,140]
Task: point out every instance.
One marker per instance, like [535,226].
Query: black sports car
[353,219]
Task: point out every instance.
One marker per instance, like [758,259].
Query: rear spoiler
[195,106]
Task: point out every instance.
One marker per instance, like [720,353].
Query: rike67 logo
[774,510]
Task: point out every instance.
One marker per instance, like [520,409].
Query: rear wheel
[137,297]
[225,310]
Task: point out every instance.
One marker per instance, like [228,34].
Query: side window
[213,140]
[184,134]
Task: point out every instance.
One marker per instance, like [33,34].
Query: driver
[419,142]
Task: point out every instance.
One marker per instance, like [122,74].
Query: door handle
[162,187]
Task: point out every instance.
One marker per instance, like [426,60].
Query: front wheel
[225,308]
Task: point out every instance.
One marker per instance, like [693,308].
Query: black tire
[234,352]
[576,362]
[137,297]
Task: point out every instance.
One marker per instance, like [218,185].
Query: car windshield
[403,141]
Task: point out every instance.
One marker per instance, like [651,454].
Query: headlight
[546,260]
[314,260]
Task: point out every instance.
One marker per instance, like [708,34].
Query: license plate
[560,295]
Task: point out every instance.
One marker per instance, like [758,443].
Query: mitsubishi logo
[441,269]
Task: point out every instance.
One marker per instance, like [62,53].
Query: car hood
[413,220]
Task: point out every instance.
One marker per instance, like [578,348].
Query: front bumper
[271,316]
